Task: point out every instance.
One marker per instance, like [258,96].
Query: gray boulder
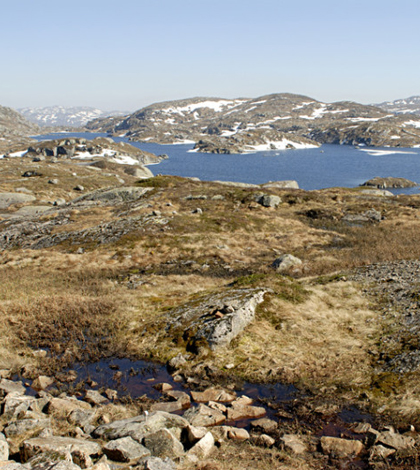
[214,320]
[10,386]
[163,444]
[155,463]
[138,172]
[203,416]
[125,449]
[268,200]
[115,195]
[286,262]
[59,445]
[139,426]
[22,426]
[287,184]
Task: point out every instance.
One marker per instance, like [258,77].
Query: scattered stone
[264,424]
[10,386]
[125,449]
[341,448]
[269,200]
[155,463]
[286,262]
[53,181]
[202,415]
[380,452]
[60,445]
[42,382]
[263,440]
[395,441]
[202,449]
[95,398]
[81,418]
[23,426]
[294,443]
[195,433]
[213,394]
[64,406]
[163,444]
[79,187]
[237,412]
[238,434]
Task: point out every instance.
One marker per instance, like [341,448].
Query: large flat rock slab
[216,319]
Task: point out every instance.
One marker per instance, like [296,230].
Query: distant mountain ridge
[402,106]
[276,121]
[75,116]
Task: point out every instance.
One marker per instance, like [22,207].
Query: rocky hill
[76,116]
[277,121]
[403,106]
[15,129]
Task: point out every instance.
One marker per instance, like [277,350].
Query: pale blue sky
[130,53]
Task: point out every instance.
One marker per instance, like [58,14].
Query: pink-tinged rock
[213,394]
[341,448]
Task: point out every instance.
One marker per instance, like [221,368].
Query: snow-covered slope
[76,116]
[403,106]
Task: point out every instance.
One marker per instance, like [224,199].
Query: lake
[323,167]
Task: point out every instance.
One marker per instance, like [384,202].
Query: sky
[127,54]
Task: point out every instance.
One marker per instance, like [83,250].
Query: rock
[139,426]
[380,452]
[95,398]
[287,184]
[202,415]
[115,195]
[23,426]
[4,448]
[8,199]
[395,441]
[202,449]
[59,445]
[237,434]
[263,440]
[163,444]
[376,192]
[264,424]
[53,181]
[155,463]
[79,187]
[237,412]
[213,394]
[389,182]
[197,323]
[10,386]
[195,433]
[341,448]
[125,449]
[286,262]
[42,382]
[30,174]
[294,443]
[59,202]
[169,407]
[17,404]
[268,200]
[163,387]
[176,362]
[64,406]
[81,418]
[138,172]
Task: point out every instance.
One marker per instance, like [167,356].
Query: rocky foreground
[225,284]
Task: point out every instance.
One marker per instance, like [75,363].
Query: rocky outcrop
[214,320]
[389,182]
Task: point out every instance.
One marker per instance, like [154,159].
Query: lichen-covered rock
[8,199]
[204,416]
[114,195]
[389,182]
[214,320]
[163,444]
[341,448]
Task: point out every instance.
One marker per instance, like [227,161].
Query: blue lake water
[323,167]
